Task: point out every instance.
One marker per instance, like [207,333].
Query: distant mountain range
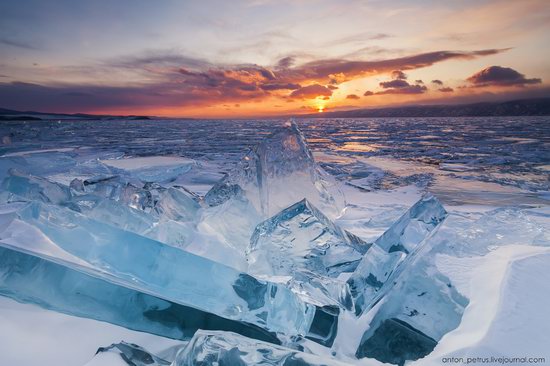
[522,107]
[12,115]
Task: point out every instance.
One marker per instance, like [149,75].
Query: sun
[320,104]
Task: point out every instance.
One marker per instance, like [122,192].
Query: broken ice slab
[414,226]
[176,205]
[157,169]
[391,253]
[131,192]
[395,342]
[170,221]
[371,275]
[29,279]
[36,188]
[302,243]
[119,215]
[277,173]
[38,163]
[149,266]
[208,348]
[174,233]
[420,309]
[231,222]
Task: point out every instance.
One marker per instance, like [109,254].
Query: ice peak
[268,171]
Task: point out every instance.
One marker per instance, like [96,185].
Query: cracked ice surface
[169,238]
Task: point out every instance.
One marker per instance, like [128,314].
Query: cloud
[280,86]
[352,96]
[166,79]
[437,82]
[398,74]
[397,83]
[500,76]
[446,89]
[343,70]
[409,89]
[419,81]
[286,62]
[311,92]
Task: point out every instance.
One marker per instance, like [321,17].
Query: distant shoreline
[513,108]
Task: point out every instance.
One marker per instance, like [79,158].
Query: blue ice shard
[303,244]
[30,279]
[414,226]
[116,214]
[277,173]
[176,205]
[36,188]
[231,222]
[209,348]
[129,191]
[419,310]
[37,163]
[146,265]
[391,253]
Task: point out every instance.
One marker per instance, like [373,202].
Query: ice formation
[302,244]
[226,348]
[149,266]
[390,253]
[261,269]
[277,173]
[28,278]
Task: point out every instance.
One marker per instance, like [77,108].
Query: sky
[217,58]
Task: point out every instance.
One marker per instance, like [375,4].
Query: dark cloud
[410,89]
[332,87]
[286,62]
[311,92]
[437,82]
[446,89]
[280,86]
[500,76]
[400,85]
[352,96]
[398,74]
[419,81]
[340,70]
[397,83]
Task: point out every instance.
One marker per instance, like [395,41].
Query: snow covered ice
[297,251]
